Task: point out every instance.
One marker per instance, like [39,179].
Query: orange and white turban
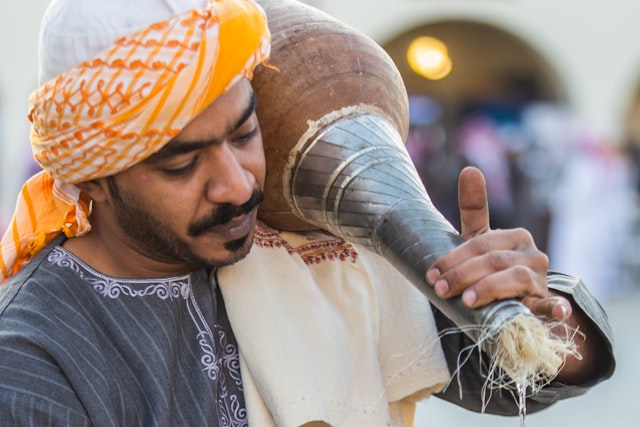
[115,109]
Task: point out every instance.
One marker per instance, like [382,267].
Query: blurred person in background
[437,165]
[479,142]
[593,208]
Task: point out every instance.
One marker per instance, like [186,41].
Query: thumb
[473,203]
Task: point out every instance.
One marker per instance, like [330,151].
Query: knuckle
[524,274]
[543,261]
[522,234]
[500,260]
[538,261]
[529,281]
[480,245]
[521,237]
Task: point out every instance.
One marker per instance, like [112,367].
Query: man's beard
[157,240]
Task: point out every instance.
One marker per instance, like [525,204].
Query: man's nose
[230,181]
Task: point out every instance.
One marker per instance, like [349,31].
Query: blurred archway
[489,64]
[479,114]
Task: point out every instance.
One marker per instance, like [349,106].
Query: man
[174,306]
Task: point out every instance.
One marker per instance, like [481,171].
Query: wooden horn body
[323,66]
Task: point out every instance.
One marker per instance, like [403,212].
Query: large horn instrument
[334,117]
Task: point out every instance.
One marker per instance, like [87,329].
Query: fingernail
[432,275]
[441,287]
[564,311]
[469,297]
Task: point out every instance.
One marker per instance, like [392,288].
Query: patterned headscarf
[113,111]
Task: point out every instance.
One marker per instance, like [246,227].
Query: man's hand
[493,264]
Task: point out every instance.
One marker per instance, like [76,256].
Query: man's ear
[96,189]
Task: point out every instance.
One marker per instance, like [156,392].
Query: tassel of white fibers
[526,353]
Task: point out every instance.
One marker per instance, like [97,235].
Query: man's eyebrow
[174,148]
[253,102]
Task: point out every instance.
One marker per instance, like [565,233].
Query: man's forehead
[181,144]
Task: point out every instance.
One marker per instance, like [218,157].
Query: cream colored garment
[328,332]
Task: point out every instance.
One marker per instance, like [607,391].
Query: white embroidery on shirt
[175,287]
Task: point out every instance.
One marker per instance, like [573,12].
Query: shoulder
[39,284]
[33,388]
[27,277]
[41,306]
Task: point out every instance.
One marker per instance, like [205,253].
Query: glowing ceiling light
[429,57]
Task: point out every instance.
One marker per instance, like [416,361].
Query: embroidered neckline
[323,247]
[114,287]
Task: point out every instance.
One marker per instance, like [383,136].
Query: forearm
[597,364]
[594,336]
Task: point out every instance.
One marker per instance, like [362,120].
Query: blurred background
[542,95]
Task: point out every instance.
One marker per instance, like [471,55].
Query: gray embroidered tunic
[79,348]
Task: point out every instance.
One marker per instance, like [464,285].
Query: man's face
[195,201]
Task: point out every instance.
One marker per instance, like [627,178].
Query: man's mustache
[225,213]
